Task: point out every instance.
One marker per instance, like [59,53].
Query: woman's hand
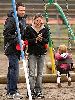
[39,38]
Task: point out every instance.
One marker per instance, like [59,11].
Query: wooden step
[32,8]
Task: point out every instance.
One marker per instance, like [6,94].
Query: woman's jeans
[36,61]
[13,73]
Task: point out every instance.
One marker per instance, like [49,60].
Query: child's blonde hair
[62,48]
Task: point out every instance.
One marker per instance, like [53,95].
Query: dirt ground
[50,90]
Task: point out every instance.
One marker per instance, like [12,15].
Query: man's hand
[22,42]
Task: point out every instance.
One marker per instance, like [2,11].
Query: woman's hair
[62,48]
[37,15]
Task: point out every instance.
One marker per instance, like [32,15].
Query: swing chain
[67,7]
[46,16]
[69,37]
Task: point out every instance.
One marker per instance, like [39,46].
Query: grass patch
[1,26]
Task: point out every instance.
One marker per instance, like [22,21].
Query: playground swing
[69,37]
[70,41]
[71,34]
[59,30]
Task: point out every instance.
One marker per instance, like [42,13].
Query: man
[10,48]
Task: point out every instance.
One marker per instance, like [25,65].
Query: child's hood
[64,55]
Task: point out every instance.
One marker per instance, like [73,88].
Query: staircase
[37,6]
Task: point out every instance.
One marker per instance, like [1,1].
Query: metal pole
[22,52]
[50,40]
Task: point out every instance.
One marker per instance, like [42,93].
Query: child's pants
[59,76]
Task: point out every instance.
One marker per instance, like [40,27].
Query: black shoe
[33,95]
[27,96]
[40,95]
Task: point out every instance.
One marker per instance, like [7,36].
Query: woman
[37,36]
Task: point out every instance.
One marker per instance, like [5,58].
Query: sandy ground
[50,90]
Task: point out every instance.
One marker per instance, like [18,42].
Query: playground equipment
[46,77]
[70,31]
[50,40]
[67,14]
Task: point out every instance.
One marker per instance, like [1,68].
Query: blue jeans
[13,74]
[36,61]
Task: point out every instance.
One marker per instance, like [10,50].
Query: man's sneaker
[40,95]
[59,85]
[18,96]
[14,96]
[9,96]
[69,83]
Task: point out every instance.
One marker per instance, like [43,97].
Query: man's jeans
[13,73]
[36,61]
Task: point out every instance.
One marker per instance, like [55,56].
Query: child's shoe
[69,83]
[59,85]
[58,81]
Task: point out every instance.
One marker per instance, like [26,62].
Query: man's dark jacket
[10,33]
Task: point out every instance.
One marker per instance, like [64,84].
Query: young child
[64,63]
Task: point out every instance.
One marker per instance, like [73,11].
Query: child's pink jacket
[63,59]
